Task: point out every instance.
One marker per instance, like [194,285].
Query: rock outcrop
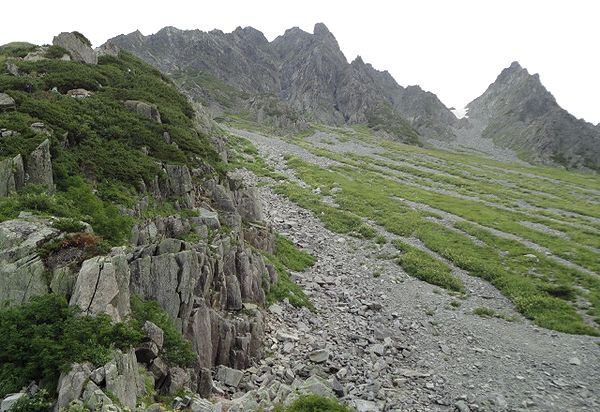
[77,46]
[39,167]
[102,286]
[22,270]
[144,109]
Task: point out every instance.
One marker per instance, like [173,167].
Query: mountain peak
[321,30]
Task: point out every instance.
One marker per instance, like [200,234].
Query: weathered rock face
[39,167]
[123,378]
[144,109]
[77,47]
[298,76]
[102,286]
[22,271]
[12,175]
[71,384]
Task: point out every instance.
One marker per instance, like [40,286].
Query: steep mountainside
[132,261]
[307,71]
[517,111]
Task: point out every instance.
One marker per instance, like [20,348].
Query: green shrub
[315,403]
[292,257]
[68,225]
[43,337]
[39,402]
[56,52]
[177,350]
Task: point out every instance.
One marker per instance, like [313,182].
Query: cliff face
[307,72]
[517,111]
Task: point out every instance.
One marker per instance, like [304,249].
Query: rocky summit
[211,222]
[307,73]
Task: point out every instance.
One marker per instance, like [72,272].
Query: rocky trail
[391,342]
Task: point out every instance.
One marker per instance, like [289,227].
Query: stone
[79,93]
[319,356]
[22,270]
[159,369]
[338,388]
[7,178]
[378,349]
[39,128]
[10,400]
[154,333]
[78,47]
[144,109]
[103,287]
[461,406]
[315,385]
[205,383]
[7,102]
[201,405]
[71,384]
[207,217]
[123,379]
[575,361]
[95,398]
[284,336]
[228,376]
[39,167]
[362,405]
[177,380]
[98,375]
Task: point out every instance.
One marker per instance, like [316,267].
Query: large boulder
[22,271]
[6,102]
[12,175]
[123,379]
[39,167]
[71,384]
[144,109]
[103,287]
[77,46]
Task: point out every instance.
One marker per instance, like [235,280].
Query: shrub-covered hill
[102,150]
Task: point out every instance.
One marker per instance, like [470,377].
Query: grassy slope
[96,143]
[541,288]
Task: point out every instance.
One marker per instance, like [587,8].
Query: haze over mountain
[300,77]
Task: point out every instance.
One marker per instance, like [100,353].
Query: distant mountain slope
[517,112]
[307,71]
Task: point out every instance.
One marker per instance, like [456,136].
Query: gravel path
[396,343]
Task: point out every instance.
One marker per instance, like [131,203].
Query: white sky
[454,48]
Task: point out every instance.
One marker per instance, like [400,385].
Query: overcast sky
[454,48]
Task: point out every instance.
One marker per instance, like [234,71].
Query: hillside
[132,260]
[306,73]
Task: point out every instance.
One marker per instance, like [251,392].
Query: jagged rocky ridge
[307,74]
[517,112]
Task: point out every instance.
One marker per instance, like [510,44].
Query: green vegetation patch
[422,265]
[176,350]
[43,337]
[288,257]
[314,403]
